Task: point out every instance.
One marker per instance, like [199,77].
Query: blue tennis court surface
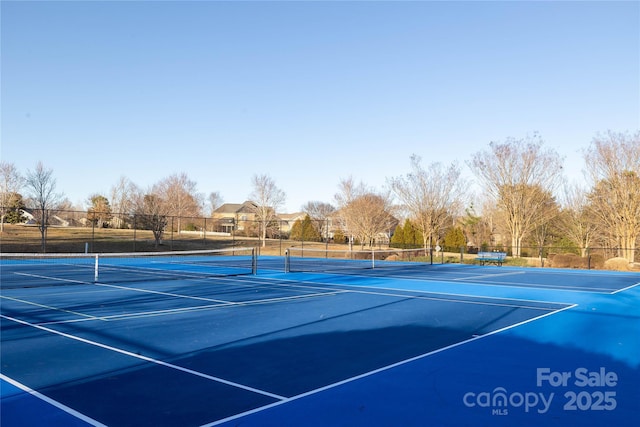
[442,345]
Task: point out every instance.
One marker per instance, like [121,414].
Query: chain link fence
[92,232]
[83,232]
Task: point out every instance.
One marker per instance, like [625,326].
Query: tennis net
[299,259]
[32,270]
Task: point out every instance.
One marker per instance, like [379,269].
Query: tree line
[523,200]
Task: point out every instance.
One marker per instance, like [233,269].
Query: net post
[254,262]
[95,269]
[287,265]
[373,258]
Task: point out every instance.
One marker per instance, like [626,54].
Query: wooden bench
[496,258]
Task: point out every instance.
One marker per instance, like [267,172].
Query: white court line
[190,296]
[482,276]
[55,279]
[171,311]
[52,402]
[126,316]
[375,291]
[467,281]
[376,371]
[625,289]
[593,290]
[48,307]
[148,291]
[578,288]
[219,303]
[146,359]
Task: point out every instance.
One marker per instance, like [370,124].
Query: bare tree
[318,210]
[546,221]
[478,229]
[10,184]
[320,213]
[364,213]
[520,176]
[122,200]
[268,198]
[613,162]
[430,196]
[151,213]
[575,220]
[180,196]
[215,201]
[43,198]
[348,192]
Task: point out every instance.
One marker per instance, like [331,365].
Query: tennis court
[235,339]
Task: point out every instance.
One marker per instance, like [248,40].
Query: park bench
[496,258]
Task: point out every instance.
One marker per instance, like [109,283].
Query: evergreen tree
[454,239]
[304,230]
[412,236]
[406,236]
[397,240]
[13,214]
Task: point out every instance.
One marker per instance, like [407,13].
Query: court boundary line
[48,307]
[626,289]
[146,358]
[218,303]
[600,291]
[516,285]
[137,315]
[443,267]
[55,279]
[476,276]
[324,285]
[382,369]
[603,291]
[52,402]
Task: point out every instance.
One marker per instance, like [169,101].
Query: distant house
[30,218]
[234,216]
[287,221]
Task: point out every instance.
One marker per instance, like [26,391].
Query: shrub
[190,227]
[566,261]
[339,237]
[619,264]
[518,262]
[597,261]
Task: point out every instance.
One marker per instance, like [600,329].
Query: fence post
[280,235]
[326,235]
[135,217]
[171,240]
[204,233]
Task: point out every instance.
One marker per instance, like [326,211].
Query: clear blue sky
[306,92]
